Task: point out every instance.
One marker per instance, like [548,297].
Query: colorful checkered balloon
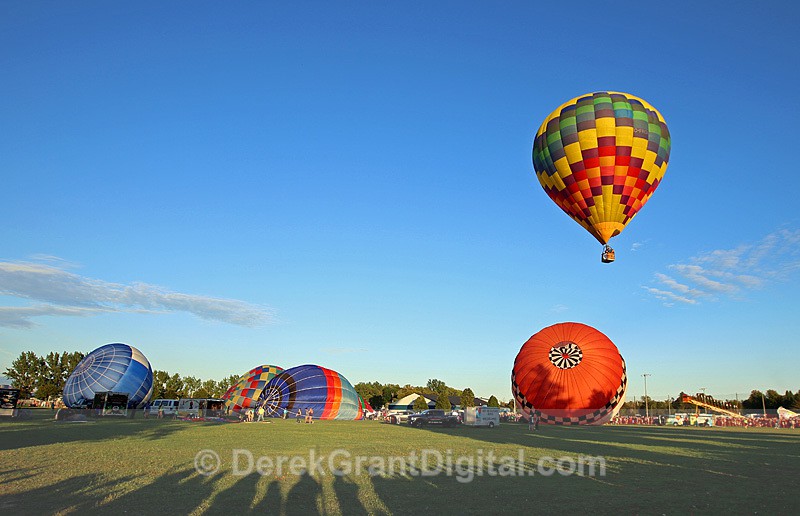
[600,157]
[244,394]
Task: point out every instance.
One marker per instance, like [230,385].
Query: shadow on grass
[649,470]
[42,429]
[78,494]
[607,438]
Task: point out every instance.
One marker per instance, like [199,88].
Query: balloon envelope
[569,373]
[600,157]
[244,393]
[310,386]
[114,367]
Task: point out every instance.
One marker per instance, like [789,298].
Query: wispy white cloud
[57,292]
[20,316]
[669,297]
[558,309]
[680,288]
[730,273]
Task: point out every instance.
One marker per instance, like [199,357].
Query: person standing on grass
[261,413]
[299,415]
[533,422]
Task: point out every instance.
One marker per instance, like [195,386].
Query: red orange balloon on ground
[569,374]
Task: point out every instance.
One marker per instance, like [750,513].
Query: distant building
[407,402]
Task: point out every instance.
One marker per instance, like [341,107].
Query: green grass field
[148,466]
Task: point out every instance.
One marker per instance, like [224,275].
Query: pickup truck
[432,417]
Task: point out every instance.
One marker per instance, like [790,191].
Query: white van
[677,419]
[482,416]
[168,407]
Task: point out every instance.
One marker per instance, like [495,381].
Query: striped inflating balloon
[327,392]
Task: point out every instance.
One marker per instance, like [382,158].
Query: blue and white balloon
[113,367]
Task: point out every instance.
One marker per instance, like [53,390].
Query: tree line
[45,376]
[173,386]
[379,395]
[769,400]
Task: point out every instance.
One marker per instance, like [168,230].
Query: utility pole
[646,409]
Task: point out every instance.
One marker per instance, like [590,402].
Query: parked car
[398,416]
[677,419]
[432,417]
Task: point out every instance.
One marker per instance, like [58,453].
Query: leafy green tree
[69,361]
[420,403]
[492,402]
[377,401]
[390,392]
[173,388]
[407,389]
[208,389]
[368,390]
[773,399]
[191,385]
[47,391]
[467,398]
[51,376]
[436,386]
[443,402]
[160,379]
[227,383]
[24,373]
[754,401]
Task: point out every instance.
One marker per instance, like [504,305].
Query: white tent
[407,402]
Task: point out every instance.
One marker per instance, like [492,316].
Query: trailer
[482,416]
[111,403]
[8,401]
[200,407]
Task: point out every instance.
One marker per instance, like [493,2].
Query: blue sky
[351,186]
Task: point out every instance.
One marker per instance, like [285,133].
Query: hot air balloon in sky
[600,157]
[310,386]
[114,367]
[244,394]
[569,374]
